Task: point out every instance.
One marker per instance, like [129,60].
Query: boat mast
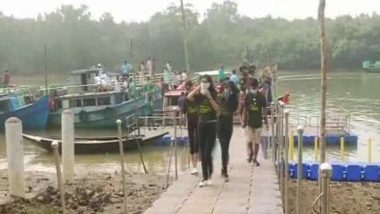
[188,73]
[45,69]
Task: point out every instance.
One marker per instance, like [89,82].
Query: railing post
[325,170]
[272,107]
[15,156]
[175,146]
[121,149]
[280,161]
[291,146]
[285,202]
[299,169]
[316,148]
[68,162]
[61,185]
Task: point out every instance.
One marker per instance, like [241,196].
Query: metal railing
[280,157]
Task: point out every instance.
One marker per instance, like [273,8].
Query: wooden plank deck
[251,190]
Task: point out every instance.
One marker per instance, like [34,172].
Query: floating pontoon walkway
[252,190]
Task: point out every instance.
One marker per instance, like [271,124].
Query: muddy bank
[345,197]
[90,193]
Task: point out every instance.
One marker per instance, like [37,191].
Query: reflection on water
[356,94]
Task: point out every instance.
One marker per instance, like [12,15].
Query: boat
[371,66]
[94,145]
[31,110]
[100,105]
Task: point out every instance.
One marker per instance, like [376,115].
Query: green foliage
[75,40]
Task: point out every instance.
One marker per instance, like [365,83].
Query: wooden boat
[32,112]
[99,106]
[371,66]
[88,146]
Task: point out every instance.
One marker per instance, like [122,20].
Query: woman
[204,97]
[228,103]
[190,110]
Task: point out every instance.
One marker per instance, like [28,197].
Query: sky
[141,10]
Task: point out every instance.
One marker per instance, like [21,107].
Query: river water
[356,94]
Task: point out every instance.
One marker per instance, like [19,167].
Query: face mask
[254,91]
[204,86]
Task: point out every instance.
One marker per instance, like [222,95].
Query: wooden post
[323,47]
[15,156]
[316,148]
[61,185]
[68,162]
[299,170]
[188,73]
[121,149]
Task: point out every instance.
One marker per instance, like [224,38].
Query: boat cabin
[79,100]
[13,102]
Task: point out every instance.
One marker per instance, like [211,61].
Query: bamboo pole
[188,73]
[323,49]
[45,69]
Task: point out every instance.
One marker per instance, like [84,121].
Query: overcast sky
[138,10]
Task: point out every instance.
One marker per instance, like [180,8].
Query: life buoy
[83,116]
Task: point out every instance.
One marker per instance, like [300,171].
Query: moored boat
[86,146]
[33,112]
[371,66]
[100,105]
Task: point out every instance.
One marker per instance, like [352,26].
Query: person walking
[204,97]
[253,112]
[228,102]
[190,110]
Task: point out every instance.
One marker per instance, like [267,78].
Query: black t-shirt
[205,109]
[254,104]
[191,110]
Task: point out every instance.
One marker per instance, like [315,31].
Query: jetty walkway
[251,190]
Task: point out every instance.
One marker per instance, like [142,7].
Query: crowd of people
[210,110]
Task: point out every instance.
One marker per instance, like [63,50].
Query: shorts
[254,135]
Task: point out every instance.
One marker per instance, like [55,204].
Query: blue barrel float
[353,172]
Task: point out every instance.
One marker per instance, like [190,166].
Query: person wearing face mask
[253,113]
[190,110]
[204,97]
[228,102]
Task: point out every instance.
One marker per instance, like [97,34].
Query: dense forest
[75,39]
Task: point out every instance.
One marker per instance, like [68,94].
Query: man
[6,78]
[168,66]
[253,112]
[234,78]
[149,66]
[222,74]
[126,69]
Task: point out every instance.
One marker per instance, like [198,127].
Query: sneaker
[209,182]
[226,178]
[249,159]
[256,163]
[202,183]
[194,171]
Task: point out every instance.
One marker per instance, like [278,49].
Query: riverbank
[92,192]
[345,197]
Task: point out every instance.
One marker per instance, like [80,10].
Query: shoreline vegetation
[75,39]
